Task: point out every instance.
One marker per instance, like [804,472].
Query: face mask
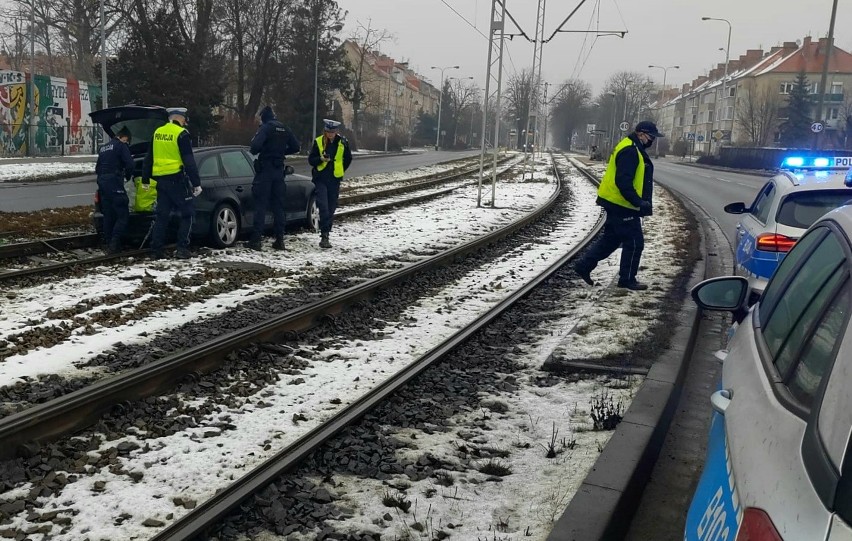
[648,143]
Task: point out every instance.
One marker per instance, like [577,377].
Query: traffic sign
[590,128]
[690,136]
[817,127]
[624,126]
[700,138]
[718,135]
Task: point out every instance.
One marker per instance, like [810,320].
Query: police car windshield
[802,209]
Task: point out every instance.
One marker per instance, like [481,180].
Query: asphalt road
[662,511]
[25,197]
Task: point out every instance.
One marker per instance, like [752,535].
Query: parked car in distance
[803,191]
[779,457]
[224,212]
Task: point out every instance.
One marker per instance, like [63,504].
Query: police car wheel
[313,216]
[225,226]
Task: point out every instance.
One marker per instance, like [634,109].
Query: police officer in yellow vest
[330,157]
[626,194]
[172,164]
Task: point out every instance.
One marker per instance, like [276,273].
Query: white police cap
[176,111]
[330,125]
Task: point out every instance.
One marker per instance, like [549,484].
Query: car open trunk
[141,120]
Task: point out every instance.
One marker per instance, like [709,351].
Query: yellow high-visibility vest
[608,189]
[164,145]
[338,157]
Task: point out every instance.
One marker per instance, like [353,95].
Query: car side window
[835,415]
[778,282]
[236,164]
[209,168]
[800,312]
[763,202]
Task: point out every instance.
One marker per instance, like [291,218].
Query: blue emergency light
[819,162]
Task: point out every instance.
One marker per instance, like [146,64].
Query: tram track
[436,353]
[254,501]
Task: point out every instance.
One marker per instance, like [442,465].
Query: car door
[775,376]
[238,175]
[752,224]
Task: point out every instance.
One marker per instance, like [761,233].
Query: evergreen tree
[796,130]
[167,74]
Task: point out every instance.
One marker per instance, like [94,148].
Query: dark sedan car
[224,212]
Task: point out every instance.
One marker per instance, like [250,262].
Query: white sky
[660,32]
[193,466]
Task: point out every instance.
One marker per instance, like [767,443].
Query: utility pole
[103,57]
[824,78]
[496,41]
[538,46]
[31,127]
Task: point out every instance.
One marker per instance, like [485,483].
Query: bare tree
[14,42]
[366,40]
[462,94]
[253,28]
[520,92]
[570,110]
[757,112]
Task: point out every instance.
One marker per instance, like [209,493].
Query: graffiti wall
[61,125]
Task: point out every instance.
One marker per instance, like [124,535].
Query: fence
[50,138]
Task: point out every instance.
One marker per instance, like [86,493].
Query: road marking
[724,179]
[78,195]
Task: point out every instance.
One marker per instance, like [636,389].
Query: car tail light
[772,242]
[757,526]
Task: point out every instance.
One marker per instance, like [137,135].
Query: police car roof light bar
[819,162]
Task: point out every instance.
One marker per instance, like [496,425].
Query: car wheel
[313,216]
[225,226]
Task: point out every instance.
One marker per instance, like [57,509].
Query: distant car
[779,457]
[784,208]
[224,212]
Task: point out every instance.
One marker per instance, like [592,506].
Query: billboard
[61,125]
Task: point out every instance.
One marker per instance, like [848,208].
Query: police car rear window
[802,209]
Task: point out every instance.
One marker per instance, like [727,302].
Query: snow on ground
[523,505]
[445,221]
[36,171]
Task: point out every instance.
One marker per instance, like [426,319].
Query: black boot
[632,285]
[254,244]
[324,241]
[114,247]
[279,242]
[183,253]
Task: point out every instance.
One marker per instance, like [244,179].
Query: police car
[779,457]
[804,190]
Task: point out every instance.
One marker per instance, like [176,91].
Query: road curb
[604,504]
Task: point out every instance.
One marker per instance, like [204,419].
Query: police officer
[625,193]
[114,166]
[272,142]
[330,157]
[172,164]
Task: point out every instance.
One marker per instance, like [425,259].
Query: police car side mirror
[721,294]
[288,170]
[736,208]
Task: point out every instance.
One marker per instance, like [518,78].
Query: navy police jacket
[114,160]
[272,142]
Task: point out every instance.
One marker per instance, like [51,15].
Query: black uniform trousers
[115,206]
[174,194]
[269,190]
[327,192]
[619,231]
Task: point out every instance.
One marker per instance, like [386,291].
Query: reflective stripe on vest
[608,189]
[167,160]
[338,157]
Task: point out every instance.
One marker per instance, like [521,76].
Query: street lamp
[103,58]
[441,101]
[662,98]
[727,58]
[335,28]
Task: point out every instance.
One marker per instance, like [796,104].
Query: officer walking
[114,166]
[172,164]
[272,142]
[330,157]
[625,193]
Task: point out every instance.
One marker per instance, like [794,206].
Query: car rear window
[802,209]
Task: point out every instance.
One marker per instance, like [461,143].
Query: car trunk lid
[141,120]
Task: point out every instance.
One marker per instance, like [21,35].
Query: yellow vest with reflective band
[338,157]
[164,145]
[608,189]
